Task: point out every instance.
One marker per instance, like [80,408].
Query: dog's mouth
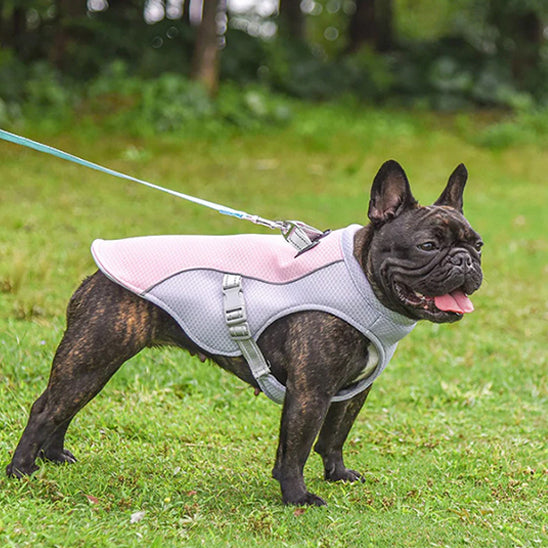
[455,302]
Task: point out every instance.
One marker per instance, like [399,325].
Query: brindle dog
[412,257]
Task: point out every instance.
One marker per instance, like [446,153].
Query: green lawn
[452,441]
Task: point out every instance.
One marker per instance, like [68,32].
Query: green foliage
[147,50]
[429,20]
[252,108]
[171,102]
[447,56]
[244,59]
[32,91]
[451,74]
[45,91]
[167,103]
[447,74]
[297,70]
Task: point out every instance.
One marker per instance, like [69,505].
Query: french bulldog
[421,263]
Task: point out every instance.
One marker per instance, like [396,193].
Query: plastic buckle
[234,306]
[235,316]
[240,331]
[233,300]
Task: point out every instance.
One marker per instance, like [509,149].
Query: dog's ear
[390,193]
[452,194]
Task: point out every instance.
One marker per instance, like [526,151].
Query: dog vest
[191,278]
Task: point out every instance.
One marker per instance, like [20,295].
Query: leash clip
[302,236]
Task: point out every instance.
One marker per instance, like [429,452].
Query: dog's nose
[462,259]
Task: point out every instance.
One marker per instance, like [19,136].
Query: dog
[409,263]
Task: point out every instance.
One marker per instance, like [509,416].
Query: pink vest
[183,276]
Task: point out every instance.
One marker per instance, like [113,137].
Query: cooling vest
[183,275]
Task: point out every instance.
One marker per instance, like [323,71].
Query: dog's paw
[308,499]
[58,457]
[343,474]
[13,471]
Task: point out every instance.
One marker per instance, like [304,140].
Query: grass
[452,440]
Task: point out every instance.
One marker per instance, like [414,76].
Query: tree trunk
[521,37]
[205,62]
[186,11]
[372,25]
[66,34]
[384,16]
[292,22]
[529,38]
[2,26]
[361,30]
[18,28]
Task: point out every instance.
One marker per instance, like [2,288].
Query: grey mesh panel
[194,299]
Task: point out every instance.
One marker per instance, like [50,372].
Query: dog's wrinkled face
[423,262]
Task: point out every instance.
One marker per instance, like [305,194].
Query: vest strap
[238,328]
[236,321]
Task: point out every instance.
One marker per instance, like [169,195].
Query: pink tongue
[455,301]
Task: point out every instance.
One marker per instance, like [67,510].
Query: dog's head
[422,262]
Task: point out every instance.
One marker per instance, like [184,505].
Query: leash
[302,236]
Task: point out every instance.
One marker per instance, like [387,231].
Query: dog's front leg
[335,430]
[302,416]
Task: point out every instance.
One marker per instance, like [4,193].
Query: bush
[530,126]
[451,73]
[171,102]
[33,91]
[297,70]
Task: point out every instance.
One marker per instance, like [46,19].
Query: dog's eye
[478,245]
[427,246]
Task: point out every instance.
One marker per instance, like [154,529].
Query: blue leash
[17,139]
[300,235]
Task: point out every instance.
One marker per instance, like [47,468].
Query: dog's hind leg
[106,325]
[335,430]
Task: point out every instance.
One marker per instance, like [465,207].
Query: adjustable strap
[238,328]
